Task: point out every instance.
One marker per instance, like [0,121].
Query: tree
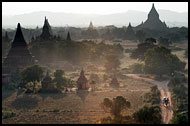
[148,115]
[61,81]
[164,41]
[180,118]
[115,106]
[112,62]
[141,49]
[150,40]
[136,68]
[141,35]
[32,73]
[159,61]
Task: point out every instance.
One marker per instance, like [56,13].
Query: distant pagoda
[153,22]
[68,37]
[130,34]
[46,31]
[18,56]
[90,33]
[6,38]
[82,82]
[90,26]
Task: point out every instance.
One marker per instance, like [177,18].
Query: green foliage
[73,52]
[6,114]
[164,41]
[148,115]
[32,87]
[59,73]
[136,68]
[116,105]
[180,118]
[112,62]
[159,61]
[61,81]
[139,53]
[153,97]
[32,73]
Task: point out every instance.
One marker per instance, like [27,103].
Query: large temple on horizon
[153,22]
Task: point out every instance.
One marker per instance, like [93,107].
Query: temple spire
[19,38]
[68,37]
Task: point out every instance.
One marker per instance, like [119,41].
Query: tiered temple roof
[82,82]
[18,56]
[153,21]
[46,31]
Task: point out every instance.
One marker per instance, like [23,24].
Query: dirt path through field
[167,112]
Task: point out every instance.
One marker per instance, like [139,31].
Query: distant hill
[34,19]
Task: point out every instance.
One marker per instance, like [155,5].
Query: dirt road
[167,112]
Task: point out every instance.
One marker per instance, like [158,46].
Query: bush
[159,61]
[153,97]
[136,68]
[61,81]
[6,114]
[180,118]
[32,73]
[115,106]
[32,87]
[148,115]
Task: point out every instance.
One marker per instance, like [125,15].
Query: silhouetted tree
[115,106]
[159,61]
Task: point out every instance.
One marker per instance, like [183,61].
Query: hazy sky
[15,8]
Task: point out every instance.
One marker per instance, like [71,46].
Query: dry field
[68,108]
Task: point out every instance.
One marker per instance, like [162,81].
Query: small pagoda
[130,34]
[6,38]
[114,82]
[68,37]
[82,82]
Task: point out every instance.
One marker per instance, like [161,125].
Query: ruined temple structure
[153,22]
[68,37]
[130,34]
[82,82]
[46,82]
[18,56]
[114,82]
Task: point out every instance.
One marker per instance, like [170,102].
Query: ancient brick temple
[18,56]
[153,21]
[82,82]
[46,31]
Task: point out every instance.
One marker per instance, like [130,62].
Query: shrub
[148,115]
[136,68]
[115,106]
[32,73]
